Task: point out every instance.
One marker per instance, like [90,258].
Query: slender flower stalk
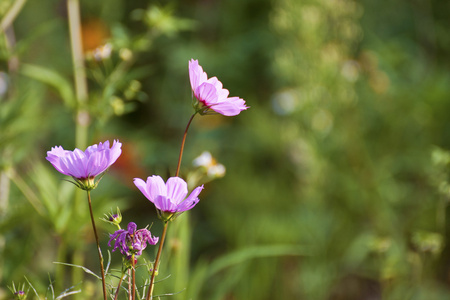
[170,201]
[119,285]
[100,256]
[166,223]
[133,274]
[79,72]
[129,283]
[182,144]
[155,265]
[169,198]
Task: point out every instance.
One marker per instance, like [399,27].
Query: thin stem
[133,274]
[100,256]
[182,144]
[27,191]
[166,223]
[60,270]
[11,14]
[79,72]
[129,284]
[155,265]
[118,286]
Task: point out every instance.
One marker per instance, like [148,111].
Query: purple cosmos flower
[211,94]
[132,241]
[85,166]
[169,198]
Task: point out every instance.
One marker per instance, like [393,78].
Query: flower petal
[230,107]
[191,200]
[210,92]
[176,189]
[196,74]
[115,152]
[206,93]
[54,157]
[83,164]
[164,204]
[156,186]
[142,186]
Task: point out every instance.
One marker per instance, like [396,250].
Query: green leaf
[53,79]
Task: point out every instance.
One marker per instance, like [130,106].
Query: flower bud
[20,295]
[113,218]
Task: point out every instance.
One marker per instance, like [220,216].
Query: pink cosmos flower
[85,166]
[211,94]
[169,198]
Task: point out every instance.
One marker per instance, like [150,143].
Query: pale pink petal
[195,193]
[206,93]
[156,187]
[214,98]
[116,150]
[83,164]
[73,166]
[187,205]
[54,157]
[142,186]
[176,189]
[228,108]
[196,74]
[216,82]
[164,204]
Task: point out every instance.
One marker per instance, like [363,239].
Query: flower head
[113,218]
[20,295]
[132,241]
[169,198]
[19,292]
[207,162]
[84,166]
[210,93]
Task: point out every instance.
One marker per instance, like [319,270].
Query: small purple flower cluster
[132,241]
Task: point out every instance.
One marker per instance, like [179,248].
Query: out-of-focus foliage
[337,181]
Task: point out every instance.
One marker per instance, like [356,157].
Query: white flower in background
[103,52]
[211,166]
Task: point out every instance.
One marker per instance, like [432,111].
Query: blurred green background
[337,176]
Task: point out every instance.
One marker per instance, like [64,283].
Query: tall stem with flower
[170,198]
[87,168]
[100,256]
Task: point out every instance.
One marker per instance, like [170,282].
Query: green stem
[182,144]
[79,72]
[129,284]
[26,190]
[119,285]
[77,258]
[11,14]
[100,256]
[155,265]
[60,273]
[133,274]
[81,94]
[166,223]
